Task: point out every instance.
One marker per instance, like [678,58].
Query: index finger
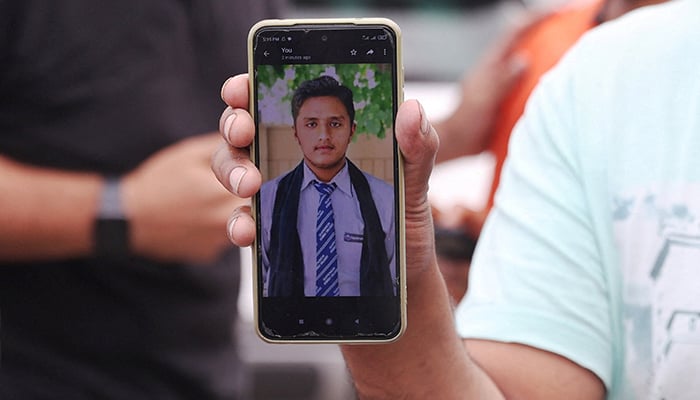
[234,91]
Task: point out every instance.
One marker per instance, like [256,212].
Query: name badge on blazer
[353,237]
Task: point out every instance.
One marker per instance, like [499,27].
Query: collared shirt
[349,227]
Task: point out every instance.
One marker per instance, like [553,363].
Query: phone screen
[329,249]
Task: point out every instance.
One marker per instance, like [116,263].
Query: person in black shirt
[115,279]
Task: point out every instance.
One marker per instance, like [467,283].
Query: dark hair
[322,86]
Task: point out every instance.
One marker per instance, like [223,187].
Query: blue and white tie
[326,254]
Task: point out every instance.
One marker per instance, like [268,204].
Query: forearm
[45,213]
[459,137]
[428,361]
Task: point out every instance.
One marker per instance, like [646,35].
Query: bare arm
[430,360]
[45,213]
[176,209]
[524,372]
[468,129]
[402,370]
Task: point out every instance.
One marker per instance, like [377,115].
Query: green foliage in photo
[370,84]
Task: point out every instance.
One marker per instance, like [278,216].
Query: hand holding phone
[329,252]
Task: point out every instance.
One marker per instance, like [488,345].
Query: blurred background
[442,39]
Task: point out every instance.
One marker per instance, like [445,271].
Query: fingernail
[424,123]
[236,177]
[229,227]
[227,126]
[223,87]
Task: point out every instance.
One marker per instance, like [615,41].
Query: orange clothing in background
[543,45]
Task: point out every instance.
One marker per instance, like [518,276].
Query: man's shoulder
[642,32]
[611,60]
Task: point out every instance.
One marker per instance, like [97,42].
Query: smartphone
[329,252]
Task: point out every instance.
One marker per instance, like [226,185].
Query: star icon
[353,52]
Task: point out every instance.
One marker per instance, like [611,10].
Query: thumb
[418,143]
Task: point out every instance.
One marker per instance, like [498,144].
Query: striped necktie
[326,254]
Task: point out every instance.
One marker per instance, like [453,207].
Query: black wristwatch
[111,233]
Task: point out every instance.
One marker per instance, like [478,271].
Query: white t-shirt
[593,248]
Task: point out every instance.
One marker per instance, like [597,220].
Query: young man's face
[323,129]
